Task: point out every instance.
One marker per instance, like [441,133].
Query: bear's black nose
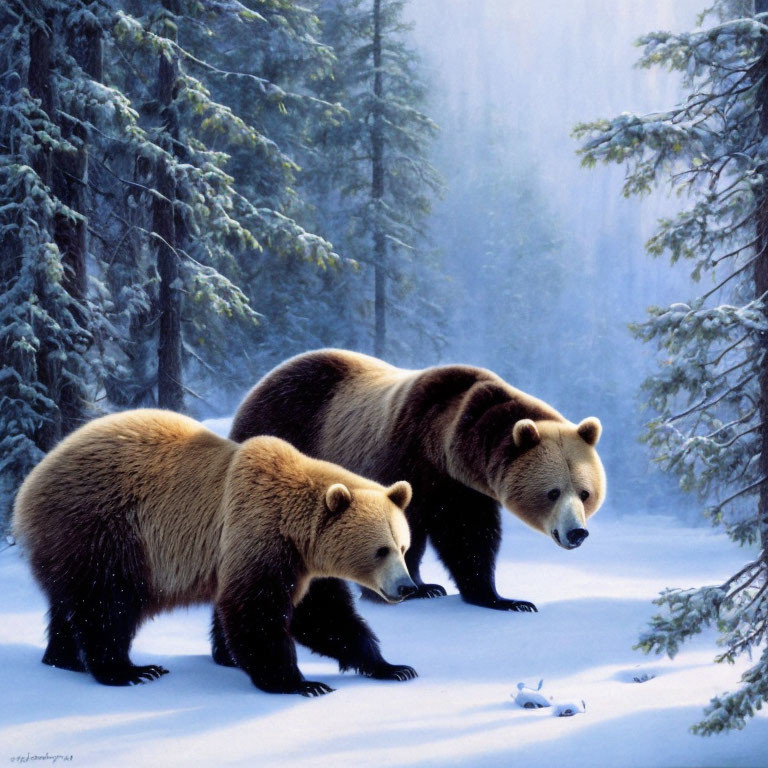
[404,590]
[576,536]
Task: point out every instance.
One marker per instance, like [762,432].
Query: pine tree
[377,186]
[170,393]
[202,169]
[711,393]
[374,186]
[44,334]
[83,43]
[292,278]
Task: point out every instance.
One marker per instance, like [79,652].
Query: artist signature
[30,757]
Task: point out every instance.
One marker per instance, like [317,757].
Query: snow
[593,602]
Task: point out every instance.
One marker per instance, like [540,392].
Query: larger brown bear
[147,510]
[464,438]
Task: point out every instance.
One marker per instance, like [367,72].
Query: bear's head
[364,536]
[554,480]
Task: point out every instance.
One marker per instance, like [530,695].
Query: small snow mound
[569,709]
[530,698]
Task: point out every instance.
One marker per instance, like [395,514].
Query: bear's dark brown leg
[105,629]
[326,622]
[219,650]
[104,596]
[62,651]
[255,613]
[417,522]
[466,532]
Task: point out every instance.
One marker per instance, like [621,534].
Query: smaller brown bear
[146,510]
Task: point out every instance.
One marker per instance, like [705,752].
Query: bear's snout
[567,524]
[576,536]
[397,590]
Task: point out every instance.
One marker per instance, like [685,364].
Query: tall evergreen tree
[60,168]
[214,180]
[377,186]
[170,393]
[84,44]
[711,394]
[373,189]
[44,334]
[289,278]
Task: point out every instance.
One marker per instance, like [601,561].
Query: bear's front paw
[386,671]
[502,604]
[427,590]
[312,688]
[147,673]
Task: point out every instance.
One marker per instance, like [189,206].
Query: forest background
[192,191]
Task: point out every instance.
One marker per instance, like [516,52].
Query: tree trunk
[41,87]
[170,393]
[377,192]
[70,180]
[761,290]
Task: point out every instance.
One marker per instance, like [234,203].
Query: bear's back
[354,409]
[148,478]
[296,400]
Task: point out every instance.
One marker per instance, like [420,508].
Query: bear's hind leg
[109,600]
[63,651]
[105,631]
[327,623]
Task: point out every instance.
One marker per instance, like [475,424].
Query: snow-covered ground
[592,604]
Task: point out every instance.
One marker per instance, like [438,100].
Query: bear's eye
[554,494]
[382,552]
[584,495]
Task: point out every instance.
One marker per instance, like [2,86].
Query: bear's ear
[590,430]
[525,434]
[400,493]
[337,498]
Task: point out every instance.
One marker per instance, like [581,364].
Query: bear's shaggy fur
[147,510]
[465,439]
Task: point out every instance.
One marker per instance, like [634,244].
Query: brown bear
[465,439]
[146,510]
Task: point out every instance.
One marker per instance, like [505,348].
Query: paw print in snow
[570,709]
